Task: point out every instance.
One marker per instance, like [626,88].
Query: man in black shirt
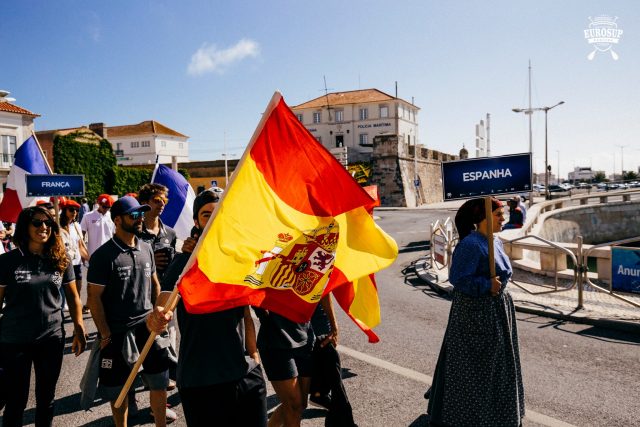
[122,288]
[219,374]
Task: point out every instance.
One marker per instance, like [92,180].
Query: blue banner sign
[485,176]
[55,185]
[625,269]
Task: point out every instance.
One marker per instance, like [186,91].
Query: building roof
[143,128]
[12,108]
[350,97]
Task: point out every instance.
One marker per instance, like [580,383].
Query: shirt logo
[57,278]
[106,363]
[22,276]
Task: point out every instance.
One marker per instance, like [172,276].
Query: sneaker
[322,401]
[171,416]
[85,310]
[171,386]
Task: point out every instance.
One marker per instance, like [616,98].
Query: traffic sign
[55,185]
[486,176]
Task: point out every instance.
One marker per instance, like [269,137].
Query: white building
[352,119]
[16,125]
[141,143]
[582,174]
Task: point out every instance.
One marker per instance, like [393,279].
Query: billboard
[625,269]
[463,179]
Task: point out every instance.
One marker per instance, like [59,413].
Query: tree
[599,177]
[629,176]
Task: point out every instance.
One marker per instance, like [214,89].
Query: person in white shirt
[97,225]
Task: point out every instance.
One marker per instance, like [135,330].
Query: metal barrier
[444,229]
[584,270]
[556,247]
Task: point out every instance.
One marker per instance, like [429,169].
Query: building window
[163,144]
[135,144]
[316,117]
[384,111]
[364,139]
[299,116]
[181,145]
[146,143]
[364,113]
[7,150]
[339,116]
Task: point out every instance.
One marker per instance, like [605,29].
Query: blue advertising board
[486,176]
[625,269]
[55,185]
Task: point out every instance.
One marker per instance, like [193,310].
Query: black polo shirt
[166,238]
[125,272]
[33,296]
[211,344]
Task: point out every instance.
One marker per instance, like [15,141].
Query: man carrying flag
[28,160]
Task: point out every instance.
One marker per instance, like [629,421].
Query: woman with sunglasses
[32,280]
[72,237]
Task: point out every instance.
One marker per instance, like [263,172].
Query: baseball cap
[105,200]
[202,199]
[126,205]
[71,204]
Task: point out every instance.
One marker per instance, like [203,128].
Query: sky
[208,68]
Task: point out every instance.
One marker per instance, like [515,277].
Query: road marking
[533,416]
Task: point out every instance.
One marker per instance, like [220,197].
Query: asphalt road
[574,374]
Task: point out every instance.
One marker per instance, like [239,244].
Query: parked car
[553,188]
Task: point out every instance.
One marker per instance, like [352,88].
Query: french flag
[178,213]
[28,160]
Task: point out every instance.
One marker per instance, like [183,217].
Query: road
[574,374]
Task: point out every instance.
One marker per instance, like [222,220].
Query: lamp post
[530,111]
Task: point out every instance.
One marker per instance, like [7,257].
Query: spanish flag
[292,226]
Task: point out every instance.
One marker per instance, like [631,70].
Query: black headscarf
[471,213]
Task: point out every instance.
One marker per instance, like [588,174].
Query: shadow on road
[412,279]
[421,245]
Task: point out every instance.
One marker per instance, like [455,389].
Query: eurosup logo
[602,34]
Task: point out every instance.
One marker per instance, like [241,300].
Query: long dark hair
[471,213]
[54,251]
[64,221]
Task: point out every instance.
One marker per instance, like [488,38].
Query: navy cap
[126,205]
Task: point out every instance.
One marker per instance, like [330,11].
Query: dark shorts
[285,364]
[114,370]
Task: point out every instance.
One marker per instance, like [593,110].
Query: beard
[135,228]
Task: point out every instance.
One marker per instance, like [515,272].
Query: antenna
[326,94]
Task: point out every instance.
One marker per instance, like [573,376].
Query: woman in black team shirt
[32,279]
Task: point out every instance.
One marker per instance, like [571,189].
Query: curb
[430,277]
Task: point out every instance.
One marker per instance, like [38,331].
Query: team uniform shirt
[99,229]
[125,272]
[166,238]
[33,295]
[201,362]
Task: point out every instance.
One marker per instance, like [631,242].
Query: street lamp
[530,111]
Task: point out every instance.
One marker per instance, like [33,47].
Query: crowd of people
[130,257]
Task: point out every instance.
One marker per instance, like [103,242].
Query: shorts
[285,364]
[114,370]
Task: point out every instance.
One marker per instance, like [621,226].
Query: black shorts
[284,364]
[114,370]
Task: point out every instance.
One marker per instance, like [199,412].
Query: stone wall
[597,224]
[394,171]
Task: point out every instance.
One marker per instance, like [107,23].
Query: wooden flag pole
[489,217]
[172,301]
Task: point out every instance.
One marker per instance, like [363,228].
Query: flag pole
[56,207]
[155,168]
[489,217]
[172,301]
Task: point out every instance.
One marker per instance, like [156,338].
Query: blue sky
[205,68]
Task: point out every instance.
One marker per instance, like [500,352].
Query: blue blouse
[469,272]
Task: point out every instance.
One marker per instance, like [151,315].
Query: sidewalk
[600,309]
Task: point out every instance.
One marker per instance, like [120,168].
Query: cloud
[209,58]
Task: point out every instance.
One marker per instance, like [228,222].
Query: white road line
[533,416]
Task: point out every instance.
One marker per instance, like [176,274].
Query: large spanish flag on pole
[293,225]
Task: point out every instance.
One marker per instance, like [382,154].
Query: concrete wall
[597,224]
[394,170]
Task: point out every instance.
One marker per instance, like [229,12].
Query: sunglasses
[159,199]
[105,207]
[37,223]
[136,215]
[72,209]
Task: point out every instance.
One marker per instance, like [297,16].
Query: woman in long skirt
[478,381]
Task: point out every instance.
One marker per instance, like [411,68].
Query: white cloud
[209,58]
